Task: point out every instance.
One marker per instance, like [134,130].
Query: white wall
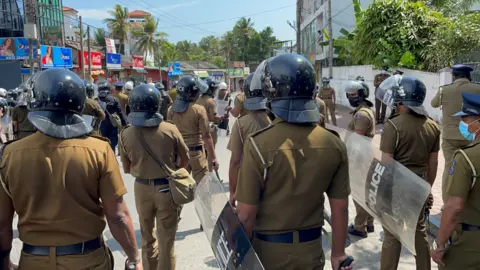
[431,80]
[70,25]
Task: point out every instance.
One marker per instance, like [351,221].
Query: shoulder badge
[452,168]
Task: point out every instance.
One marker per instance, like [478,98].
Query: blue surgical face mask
[463,127]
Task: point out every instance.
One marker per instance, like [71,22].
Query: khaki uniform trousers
[362,219]
[330,110]
[214,134]
[463,253]
[392,248]
[153,205]
[100,259]
[296,256]
[449,147]
[198,164]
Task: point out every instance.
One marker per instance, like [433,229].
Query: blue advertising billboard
[16,48]
[114,60]
[174,69]
[56,57]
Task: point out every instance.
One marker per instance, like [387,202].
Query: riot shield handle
[347,262]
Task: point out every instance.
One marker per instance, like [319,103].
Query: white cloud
[175,6]
[94,14]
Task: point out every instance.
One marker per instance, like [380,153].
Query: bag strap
[474,171]
[262,160]
[149,151]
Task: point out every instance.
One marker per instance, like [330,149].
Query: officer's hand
[437,256]
[337,260]
[233,200]
[228,108]
[213,165]
[1,112]
[13,266]
[430,201]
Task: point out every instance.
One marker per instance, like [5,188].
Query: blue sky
[197,13]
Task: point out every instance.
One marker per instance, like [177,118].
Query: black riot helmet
[254,98]
[90,89]
[325,82]
[58,100]
[360,78]
[212,87]
[159,86]
[288,82]
[188,89]
[403,90]
[357,92]
[144,103]
[103,89]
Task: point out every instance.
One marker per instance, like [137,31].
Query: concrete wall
[431,80]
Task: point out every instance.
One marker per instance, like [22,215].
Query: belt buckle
[83,247]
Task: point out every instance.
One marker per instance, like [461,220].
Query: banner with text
[16,48]
[96,58]
[56,57]
[110,44]
[114,60]
[138,62]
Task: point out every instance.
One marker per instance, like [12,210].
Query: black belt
[287,238]
[155,182]
[468,227]
[75,249]
[195,148]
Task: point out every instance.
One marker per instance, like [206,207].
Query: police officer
[380,108]
[255,120]
[152,196]
[206,100]
[173,91]
[22,127]
[120,96]
[287,167]
[327,94]
[166,101]
[460,224]
[322,108]
[114,119]
[449,100]
[238,109]
[61,219]
[412,139]
[363,123]
[192,121]
[93,109]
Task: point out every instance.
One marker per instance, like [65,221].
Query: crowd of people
[283,160]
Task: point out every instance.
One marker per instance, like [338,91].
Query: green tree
[210,45]
[147,43]
[243,32]
[167,52]
[451,6]
[184,50]
[119,25]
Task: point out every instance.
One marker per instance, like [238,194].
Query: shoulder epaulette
[260,131]
[471,145]
[333,132]
[99,137]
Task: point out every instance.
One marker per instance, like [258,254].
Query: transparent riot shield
[229,242]
[389,191]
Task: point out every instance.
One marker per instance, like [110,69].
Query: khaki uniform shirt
[93,108]
[20,114]
[165,142]
[58,198]
[449,97]
[123,99]
[461,180]
[238,103]
[363,120]
[411,138]
[302,162]
[173,94]
[379,78]
[244,126]
[326,93]
[322,109]
[210,106]
[192,123]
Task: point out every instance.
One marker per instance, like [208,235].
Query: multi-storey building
[50,14]
[71,24]
[11,18]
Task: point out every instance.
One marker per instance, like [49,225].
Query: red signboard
[96,59]
[138,62]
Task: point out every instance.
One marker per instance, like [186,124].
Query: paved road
[193,251]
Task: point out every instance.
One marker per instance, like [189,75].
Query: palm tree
[118,24]
[148,42]
[243,31]
[99,37]
[184,49]
[227,44]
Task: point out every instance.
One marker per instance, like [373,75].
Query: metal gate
[472,60]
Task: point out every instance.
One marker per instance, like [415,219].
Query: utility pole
[299,22]
[89,53]
[330,40]
[30,7]
[82,58]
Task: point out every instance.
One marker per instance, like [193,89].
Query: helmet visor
[384,92]
[257,77]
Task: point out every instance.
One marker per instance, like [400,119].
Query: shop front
[115,72]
